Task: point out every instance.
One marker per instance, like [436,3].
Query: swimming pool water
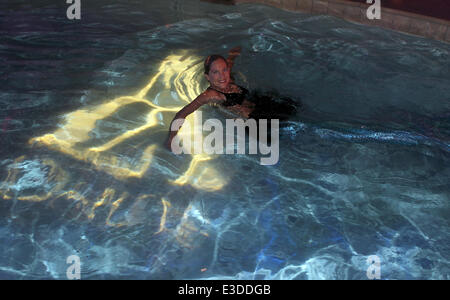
[85,107]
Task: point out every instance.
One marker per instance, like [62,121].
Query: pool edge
[397,20]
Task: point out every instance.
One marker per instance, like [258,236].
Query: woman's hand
[236,51]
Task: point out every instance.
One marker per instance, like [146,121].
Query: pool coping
[398,20]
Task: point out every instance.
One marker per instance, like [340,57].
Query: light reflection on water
[362,171]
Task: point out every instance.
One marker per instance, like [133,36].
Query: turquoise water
[85,107]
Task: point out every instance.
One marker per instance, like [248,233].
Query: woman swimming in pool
[236,99]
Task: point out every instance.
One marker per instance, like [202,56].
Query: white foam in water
[317,268]
[233,16]
[34,175]
[261,44]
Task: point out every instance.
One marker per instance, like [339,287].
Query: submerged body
[236,102]
[256,105]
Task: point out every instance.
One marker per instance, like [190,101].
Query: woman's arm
[182,114]
[232,54]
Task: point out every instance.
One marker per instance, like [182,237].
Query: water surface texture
[85,107]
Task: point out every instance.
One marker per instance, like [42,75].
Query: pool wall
[398,20]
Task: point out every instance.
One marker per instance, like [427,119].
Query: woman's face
[219,74]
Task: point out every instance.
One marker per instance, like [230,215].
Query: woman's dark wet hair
[210,59]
